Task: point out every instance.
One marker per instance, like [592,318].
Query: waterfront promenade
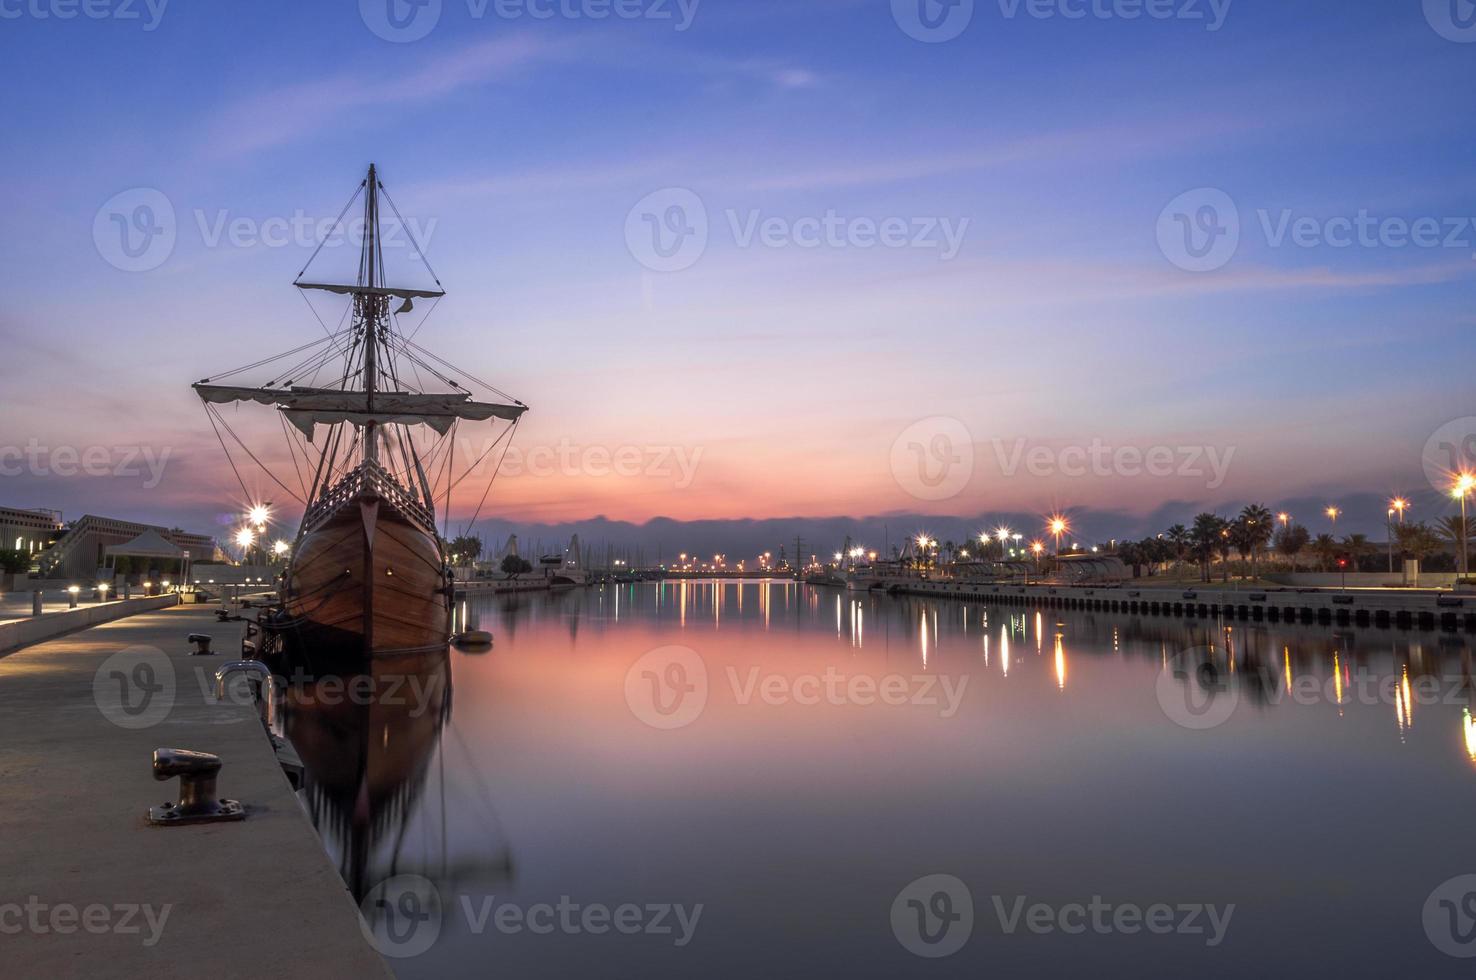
[248,899]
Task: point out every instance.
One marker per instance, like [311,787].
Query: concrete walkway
[87,887]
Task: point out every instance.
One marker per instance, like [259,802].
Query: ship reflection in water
[740,778]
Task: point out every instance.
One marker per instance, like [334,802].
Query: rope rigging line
[470,377]
[418,250]
[247,450]
[245,494]
[495,473]
[336,222]
[268,360]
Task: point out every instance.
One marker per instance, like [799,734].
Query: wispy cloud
[280,115]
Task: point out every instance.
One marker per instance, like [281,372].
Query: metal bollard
[202,644]
[36,603]
[197,803]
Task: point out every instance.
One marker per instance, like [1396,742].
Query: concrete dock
[88,888]
[1378,608]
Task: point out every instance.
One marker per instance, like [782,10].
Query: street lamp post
[1389,532]
[1462,489]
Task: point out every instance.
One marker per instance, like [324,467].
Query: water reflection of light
[1060,664]
[1286,661]
[1468,729]
[986,649]
[1337,683]
[1038,632]
[1004,650]
[922,623]
[837,617]
[1403,708]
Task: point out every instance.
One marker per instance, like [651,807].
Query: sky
[756,260]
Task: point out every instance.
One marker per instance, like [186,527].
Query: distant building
[79,549]
[31,531]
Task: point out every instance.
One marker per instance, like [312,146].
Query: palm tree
[1179,540]
[1325,547]
[1357,546]
[1205,538]
[1452,528]
[1417,540]
[1290,540]
[1258,526]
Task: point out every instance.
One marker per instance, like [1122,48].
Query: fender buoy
[473,638]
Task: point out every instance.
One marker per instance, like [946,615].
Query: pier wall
[1381,608]
[23,632]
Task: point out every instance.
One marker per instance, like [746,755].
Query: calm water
[794,759]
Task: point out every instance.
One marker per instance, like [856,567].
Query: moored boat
[367,574]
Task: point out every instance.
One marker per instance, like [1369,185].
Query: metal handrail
[265,689]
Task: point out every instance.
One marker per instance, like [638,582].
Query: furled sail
[307,407]
[346,290]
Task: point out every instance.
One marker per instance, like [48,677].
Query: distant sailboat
[368,573]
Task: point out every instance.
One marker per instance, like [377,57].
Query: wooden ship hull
[367,576]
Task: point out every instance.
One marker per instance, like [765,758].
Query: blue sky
[1052,144]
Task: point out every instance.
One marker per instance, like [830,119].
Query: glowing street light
[1399,505]
[1464,484]
[1284,518]
[1332,513]
[1058,526]
[281,548]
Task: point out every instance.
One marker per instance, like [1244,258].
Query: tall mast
[371,309]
